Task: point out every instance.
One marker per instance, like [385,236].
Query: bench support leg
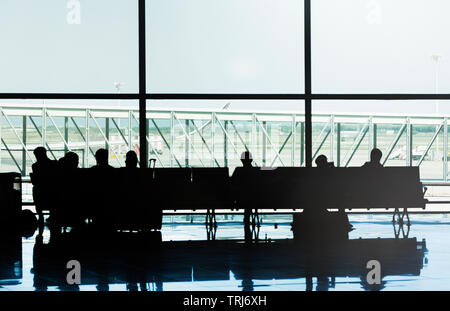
[399,217]
[401,229]
[256,219]
[211,218]
[211,224]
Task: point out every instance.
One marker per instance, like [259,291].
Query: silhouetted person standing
[40,170]
[101,156]
[243,181]
[375,158]
[131,159]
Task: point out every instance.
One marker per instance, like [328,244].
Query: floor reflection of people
[317,224]
[371,287]
[323,283]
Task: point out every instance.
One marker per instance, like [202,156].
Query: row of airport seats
[133,199]
[130,198]
[337,188]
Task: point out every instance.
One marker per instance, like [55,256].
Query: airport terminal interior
[226,145]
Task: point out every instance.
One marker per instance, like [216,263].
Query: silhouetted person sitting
[72,160]
[101,156]
[131,159]
[375,158]
[246,159]
[41,170]
[69,161]
[316,223]
[322,162]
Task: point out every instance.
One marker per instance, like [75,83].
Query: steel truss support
[104,136]
[211,224]
[394,143]
[277,154]
[356,144]
[400,229]
[196,130]
[430,143]
[189,139]
[166,143]
[325,132]
[147,140]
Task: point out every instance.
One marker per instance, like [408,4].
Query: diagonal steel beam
[394,143]
[16,134]
[430,144]
[11,155]
[227,135]
[81,134]
[356,144]
[58,131]
[165,141]
[148,143]
[104,137]
[322,142]
[277,154]
[239,136]
[285,142]
[196,129]
[241,139]
[40,134]
[319,141]
[189,139]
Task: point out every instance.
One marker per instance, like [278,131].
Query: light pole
[436,58]
[118,86]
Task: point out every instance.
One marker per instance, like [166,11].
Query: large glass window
[405,131]
[225,46]
[224,76]
[380,46]
[72,46]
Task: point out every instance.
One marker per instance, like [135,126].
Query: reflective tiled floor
[225,264]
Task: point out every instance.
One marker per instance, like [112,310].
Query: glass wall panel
[380,46]
[225,46]
[411,137]
[68,46]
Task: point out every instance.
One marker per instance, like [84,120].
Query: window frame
[142,96]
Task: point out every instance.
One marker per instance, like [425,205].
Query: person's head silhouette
[71,160]
[131,159]
[40,153]
[101,156]
[322,161]
[246,159]
[375,156]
